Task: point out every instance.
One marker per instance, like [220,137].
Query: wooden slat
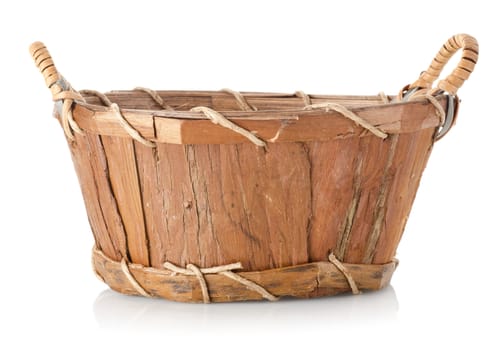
[332,167]
[277,200]
[373,189]
[126,187]
[105,123]
[408,168]
[153,202]
[80,151]
[110,211]
[182,235]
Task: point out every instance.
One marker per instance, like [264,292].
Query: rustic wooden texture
[107,201]
[332,167]
[407,168]
[124,180]
[153,205]
[207,204]
[223,101]
[301,281]
[206,195]
[337,188]
[367,173]
[282,125]
[83,163]
[290,204]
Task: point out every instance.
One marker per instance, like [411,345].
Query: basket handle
[46,66]
[61,91]
[465,67]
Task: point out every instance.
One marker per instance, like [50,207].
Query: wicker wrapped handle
[46,66]
[462,71]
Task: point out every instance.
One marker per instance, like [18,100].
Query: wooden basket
[222,196]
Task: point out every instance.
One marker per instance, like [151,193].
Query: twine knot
[225,270]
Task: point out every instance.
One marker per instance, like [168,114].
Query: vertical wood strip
[240,217]
[181,241]
[347,224]
[415,151]
[108,202]
[332,181]
[376,156]
[199,172]
[153,202]
[81,156]
[277,200]
[384,191]
[286,192]
[125,183]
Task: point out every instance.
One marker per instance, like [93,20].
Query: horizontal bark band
[302,281]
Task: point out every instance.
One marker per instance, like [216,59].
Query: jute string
[211,114]
[156,97]
[241,101]
[69,125]
[350,115]
[441,114]
[132,280]
[351,282]
[384,97]
[305,98]
[218,118]
[225,270]
[121,119]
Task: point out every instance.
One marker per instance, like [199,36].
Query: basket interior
[224,101]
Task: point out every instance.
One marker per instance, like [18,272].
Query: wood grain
[109,207]
[210,198]
[282,125]
[301,281]
[124,179]
[83,163]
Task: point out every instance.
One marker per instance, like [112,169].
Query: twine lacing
[211,114]
[69,125]
[384,97]
[428,95]
[351,282]
[121,119]
[241,101]
[350,115]
[225,270]
[156,97]
[441,114]
[218,118]
[305,98]
[132,280]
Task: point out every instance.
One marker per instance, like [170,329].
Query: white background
[441,294]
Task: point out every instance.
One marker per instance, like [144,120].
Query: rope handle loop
[451,84]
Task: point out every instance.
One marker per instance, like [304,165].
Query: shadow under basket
[224,196]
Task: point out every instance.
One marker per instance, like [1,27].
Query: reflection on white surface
[114,310]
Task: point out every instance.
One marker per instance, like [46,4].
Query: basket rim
[286,125]
[353,102]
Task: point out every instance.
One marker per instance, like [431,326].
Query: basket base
[301,281]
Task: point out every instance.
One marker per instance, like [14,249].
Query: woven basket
[225,196]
